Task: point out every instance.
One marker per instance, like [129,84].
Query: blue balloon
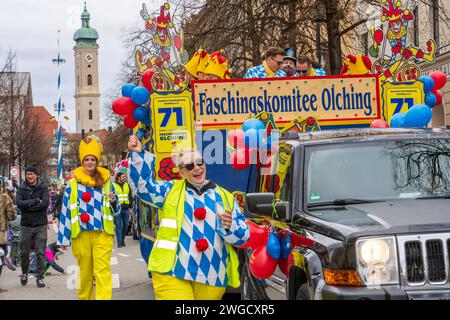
[127,88]
[252,138]
[430,100]
[286,246]
[140,95]
[140,114]
[428,83]
[418,116]
[253,123]
[398,120]
[273,246]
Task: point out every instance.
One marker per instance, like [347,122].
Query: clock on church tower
[87,93]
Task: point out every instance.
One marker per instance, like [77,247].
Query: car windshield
[374,171]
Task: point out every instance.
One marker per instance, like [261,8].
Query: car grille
[425,259]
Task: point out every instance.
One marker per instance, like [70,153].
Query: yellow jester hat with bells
[197,63]
[92,148]
[218,65]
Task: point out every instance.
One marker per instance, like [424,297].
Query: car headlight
[377,260]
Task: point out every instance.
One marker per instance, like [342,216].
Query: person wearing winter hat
[87,222]
[32,199]
[197,220]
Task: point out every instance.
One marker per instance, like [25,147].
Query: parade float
[236,123]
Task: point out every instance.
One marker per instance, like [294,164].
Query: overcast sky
[30,27]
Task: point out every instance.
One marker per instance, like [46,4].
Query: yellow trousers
[170,288]
[93,250]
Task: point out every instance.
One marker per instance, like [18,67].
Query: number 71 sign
[172,121]
[399,97]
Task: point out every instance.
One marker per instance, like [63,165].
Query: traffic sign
[14,171]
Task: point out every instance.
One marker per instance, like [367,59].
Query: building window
[89,80]
[90,114]
[78,80]
[78,115]
[90,103]
[89,65]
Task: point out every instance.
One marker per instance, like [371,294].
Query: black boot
[40,283]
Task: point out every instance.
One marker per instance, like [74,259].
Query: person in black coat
[32,199]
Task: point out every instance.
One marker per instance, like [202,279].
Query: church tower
[87,94]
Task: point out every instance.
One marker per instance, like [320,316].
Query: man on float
[199,222]
[290,62]
[270,67]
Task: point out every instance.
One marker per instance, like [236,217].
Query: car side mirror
[261,204]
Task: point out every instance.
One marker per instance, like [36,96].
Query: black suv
[368,212]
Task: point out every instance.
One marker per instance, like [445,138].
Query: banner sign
[400,96]
[333,100]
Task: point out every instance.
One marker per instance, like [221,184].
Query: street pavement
[130,280]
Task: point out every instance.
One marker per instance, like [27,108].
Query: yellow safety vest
[108,219]
[163,255]
[122,194]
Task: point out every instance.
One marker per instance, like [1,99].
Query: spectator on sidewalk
[7,213]
[270,67]
[122,218]
[33,199]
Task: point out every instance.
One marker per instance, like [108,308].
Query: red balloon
[146,79]
[177,42]
[258,236]
[129,121]
[438,95]
[285,264]
[236,138]
[261,264]
[378,36]
[379,124]
[123,106]
[440,78]
[242,158]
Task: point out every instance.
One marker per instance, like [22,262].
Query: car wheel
[251,288]
[303,293]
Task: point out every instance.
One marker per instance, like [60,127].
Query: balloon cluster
[246,142]
[270,249]
[420,114]
[121,166]
[134,105]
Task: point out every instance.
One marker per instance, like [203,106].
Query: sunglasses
[303,71]
[278,62]
[191,166]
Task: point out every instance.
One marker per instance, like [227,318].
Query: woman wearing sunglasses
[192,257]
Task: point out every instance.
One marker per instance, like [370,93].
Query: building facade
[87,93]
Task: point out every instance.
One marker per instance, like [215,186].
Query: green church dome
[86,35]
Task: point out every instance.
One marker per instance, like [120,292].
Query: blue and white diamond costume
[210,266]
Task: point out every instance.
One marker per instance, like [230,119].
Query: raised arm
[142,166]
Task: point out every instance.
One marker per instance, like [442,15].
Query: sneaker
[9,264]
[40,283]
[24,279]
[119,245]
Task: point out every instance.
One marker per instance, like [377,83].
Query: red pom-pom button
[202,244]
[200,213]
[86,196]
[84,217]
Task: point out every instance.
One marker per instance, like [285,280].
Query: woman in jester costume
[87,222]
[193,257]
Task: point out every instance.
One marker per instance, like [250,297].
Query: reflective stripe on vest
[163,254]
[122,194]
[108,219]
